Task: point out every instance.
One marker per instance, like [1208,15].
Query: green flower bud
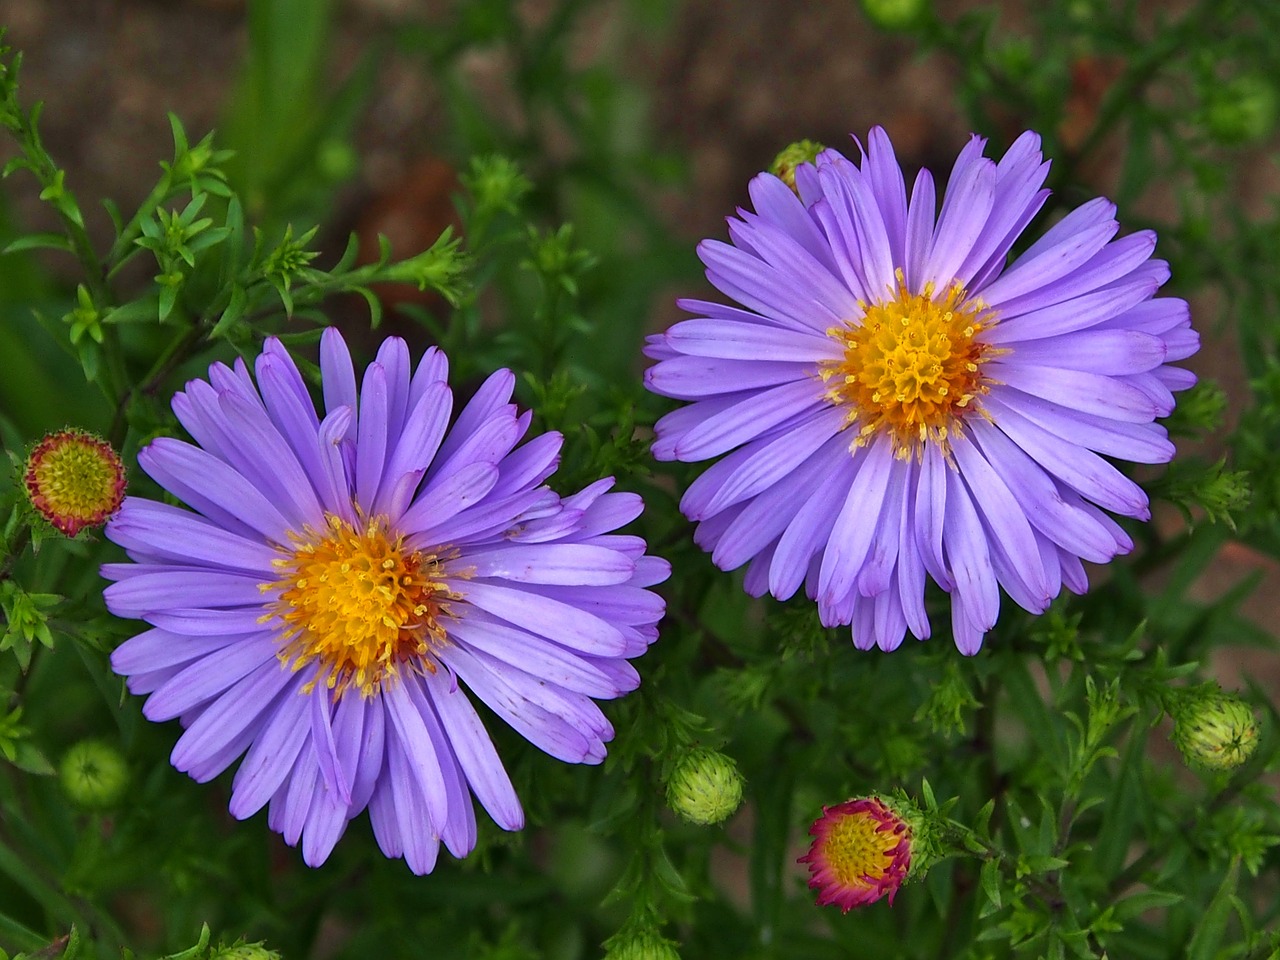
[336,160]
[1240,110]
[895,14]
[94,774]
[705,787]
[1215,731]
[646,945]
[785,163]
[244,951]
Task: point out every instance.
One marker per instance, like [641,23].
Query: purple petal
[271,758]
[1088,473]
[413,744]
[338,376]
[170,533]
[371,436]
[211,676]
[212,487]
[851,535]
[749,418]
[970,562]
[475,753]
[142,593]
[1076,389]
[549,563]
[229,724]
[692,378]
[547,617]
[966,206]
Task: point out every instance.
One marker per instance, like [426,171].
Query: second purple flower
[892,400]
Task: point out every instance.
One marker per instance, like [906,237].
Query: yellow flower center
[75,480]
[912,366]
[359,606]
[857,851]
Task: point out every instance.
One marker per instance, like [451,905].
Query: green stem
[48,174]
[177,352]
[15,550]
[124,248]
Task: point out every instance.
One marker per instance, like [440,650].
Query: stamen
[915,377]
[359,606]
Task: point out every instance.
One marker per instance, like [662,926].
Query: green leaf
[1212,927]
[19,935]
[135,311]
[232,314]
[990,879]
[29,758]
[40,241]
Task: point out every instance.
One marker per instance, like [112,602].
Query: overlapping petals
[546,601]
[1075,368]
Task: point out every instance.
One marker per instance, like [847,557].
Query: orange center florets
[858,851]
[359,605]
[75,480]
[912,366]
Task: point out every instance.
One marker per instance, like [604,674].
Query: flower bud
[75,480]
[244,951]
[894,14]
[705,787]
[862,851]
[93,774]
[785,163]
[645,945]
[1214,731]
[1240,110]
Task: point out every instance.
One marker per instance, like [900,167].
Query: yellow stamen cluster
[912,366]
[858,851]
[75,480]
[358,605]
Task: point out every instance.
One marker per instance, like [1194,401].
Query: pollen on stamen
[74,480]
[915,377]
[357,606]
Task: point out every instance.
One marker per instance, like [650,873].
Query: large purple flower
[343,578]
[895,400]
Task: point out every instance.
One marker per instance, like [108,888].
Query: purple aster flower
[345,577]
[895,400]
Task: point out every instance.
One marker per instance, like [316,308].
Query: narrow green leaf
[1213,924]
[39,241]
[232,314]
[990,878]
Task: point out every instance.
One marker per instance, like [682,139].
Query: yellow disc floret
[358,605]
[75,480]
[858,851]
[912,365]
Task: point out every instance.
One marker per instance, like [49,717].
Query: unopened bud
[645,945]
[94,774]
[785,163]
[705,787]
[895,14]
[244,951]
[1215,731]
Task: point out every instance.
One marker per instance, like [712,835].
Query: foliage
[1063,822]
